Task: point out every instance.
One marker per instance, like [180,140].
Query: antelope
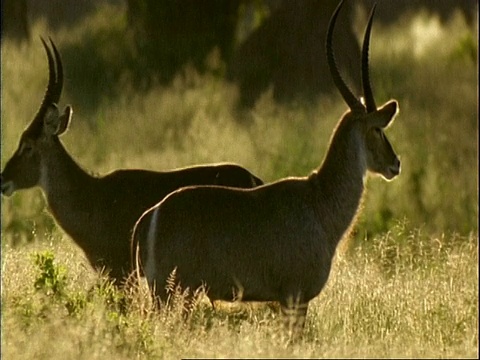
[98,213]
[275,242]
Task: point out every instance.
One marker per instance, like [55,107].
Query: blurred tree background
[173,74]
[255,43]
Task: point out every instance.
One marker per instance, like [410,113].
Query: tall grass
[397,301]
[406,286]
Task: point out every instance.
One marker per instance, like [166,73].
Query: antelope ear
[383,116]
[54,123]
[64,120]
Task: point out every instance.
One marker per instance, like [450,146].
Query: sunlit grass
[374,305]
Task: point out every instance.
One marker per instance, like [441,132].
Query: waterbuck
[98,213]
[275,242]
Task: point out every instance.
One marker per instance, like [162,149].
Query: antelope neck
[69,190]
[340,184]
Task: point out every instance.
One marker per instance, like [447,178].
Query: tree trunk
[288,52]
[14,20]
[169,34]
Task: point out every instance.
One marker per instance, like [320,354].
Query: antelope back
[364,119]
[24,169]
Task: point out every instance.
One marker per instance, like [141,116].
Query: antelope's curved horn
[367,88]
[347,94]
[57,90]
[52,78]
[51,93]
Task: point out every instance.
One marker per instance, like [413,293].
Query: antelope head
[24,169]
[379,156]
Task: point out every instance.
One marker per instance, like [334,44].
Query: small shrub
[51,278]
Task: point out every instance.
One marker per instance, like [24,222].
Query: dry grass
[374,305]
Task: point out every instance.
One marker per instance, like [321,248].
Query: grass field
[404,284]
[406,300]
